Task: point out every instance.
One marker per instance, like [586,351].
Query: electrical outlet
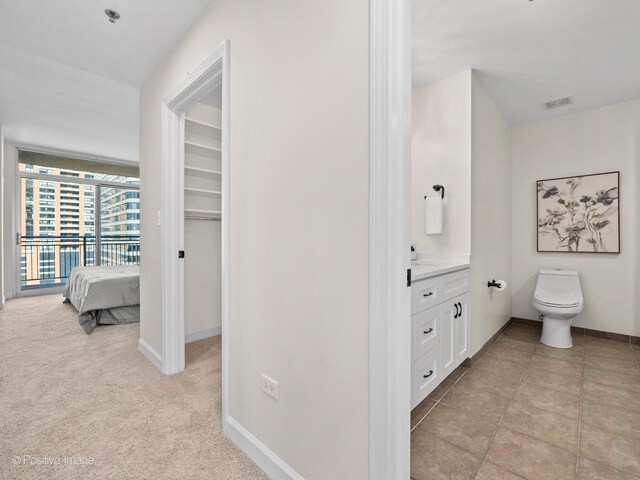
[270,386]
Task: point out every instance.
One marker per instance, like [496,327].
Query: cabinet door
[447,341]
[461,329]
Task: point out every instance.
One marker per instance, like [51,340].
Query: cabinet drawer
[425,294]
[454,284]
[426,332]
[425,376]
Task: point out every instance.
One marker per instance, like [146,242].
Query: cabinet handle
[428,374]
[428,331]
[460,305]
[456,314]
[427,294]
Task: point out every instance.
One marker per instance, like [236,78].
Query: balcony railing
[46,261]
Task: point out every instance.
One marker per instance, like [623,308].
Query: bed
[106,295]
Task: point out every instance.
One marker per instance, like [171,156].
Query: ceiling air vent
[558,102]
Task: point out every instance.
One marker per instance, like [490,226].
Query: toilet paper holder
[493,283]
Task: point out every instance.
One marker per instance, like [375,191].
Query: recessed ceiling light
[112,14]
[558,102]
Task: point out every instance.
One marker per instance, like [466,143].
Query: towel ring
[438,188]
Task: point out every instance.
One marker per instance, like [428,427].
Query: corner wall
[600,140]
[462,140]
[299,199]
[8,200]
[441,154]
[490,216]
[2,229]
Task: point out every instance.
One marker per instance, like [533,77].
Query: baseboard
[619,337]
[150,353]
[201,334]
[473,359]
[526,321]
[257,451]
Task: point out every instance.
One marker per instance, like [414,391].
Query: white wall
[600,140]
[490,216]
[8,200]
[441,154]
[2,190]
[462,140]
[299,227]
[49,104]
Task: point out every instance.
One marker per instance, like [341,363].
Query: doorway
[195,204]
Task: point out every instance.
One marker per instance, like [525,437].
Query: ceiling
[47,104]
[529,52]
[77,33]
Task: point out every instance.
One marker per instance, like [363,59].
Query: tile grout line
[584,354]
[480,418]
[635,355]
[439,400]
[495,432]
[454,384]
[609,465]
[449,389]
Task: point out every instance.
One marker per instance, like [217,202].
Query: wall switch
[159,218]
[270,386]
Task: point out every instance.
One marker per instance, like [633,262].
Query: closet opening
[194,221]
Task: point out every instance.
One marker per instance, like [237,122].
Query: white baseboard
[150,353]
[200,334]
[257,451]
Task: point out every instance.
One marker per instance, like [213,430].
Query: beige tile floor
[529,411]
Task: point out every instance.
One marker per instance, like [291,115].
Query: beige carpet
[65,393]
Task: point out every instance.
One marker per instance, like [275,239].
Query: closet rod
[210,219]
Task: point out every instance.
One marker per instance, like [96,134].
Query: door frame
[209,74]
[389,240]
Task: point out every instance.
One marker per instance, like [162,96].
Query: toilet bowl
[558,298]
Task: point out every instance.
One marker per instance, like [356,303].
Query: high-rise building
[58,224]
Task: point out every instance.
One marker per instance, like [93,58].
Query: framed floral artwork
[579,214]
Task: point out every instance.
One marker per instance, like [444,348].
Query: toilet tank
[559,285]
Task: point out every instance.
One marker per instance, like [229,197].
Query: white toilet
[558,298]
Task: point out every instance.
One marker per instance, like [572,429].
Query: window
[58,220]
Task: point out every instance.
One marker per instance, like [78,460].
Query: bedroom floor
[65,393]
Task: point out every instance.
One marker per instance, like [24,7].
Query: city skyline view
[67,216]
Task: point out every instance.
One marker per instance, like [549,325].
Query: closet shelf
[203,191]
[204,124]
[201,145]
[205,171]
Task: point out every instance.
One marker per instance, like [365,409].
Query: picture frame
[579,214]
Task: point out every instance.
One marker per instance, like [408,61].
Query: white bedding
[104,295]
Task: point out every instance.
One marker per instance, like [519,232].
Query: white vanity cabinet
[440,329]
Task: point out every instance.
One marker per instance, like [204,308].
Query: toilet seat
[557,297]
[556,305]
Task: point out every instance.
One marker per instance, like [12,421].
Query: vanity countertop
[432,266]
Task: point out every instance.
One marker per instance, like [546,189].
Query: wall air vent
[558,102]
